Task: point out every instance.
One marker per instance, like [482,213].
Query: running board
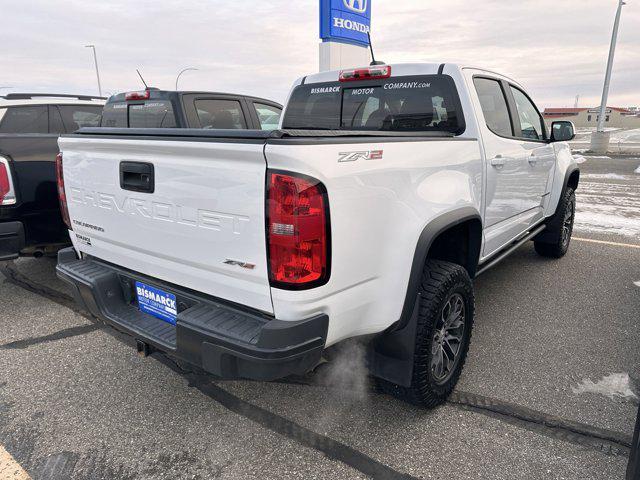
[509,250]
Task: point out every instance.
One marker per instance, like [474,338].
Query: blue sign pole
[344,31]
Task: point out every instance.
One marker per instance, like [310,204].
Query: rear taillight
[298,232]
[368,73]
[7,193]
[62,196]
[141,95]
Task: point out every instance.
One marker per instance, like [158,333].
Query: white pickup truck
[385,191]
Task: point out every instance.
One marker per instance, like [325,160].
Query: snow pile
[620,140]
[606,176]
[607,223]
[626,136]
[616,385]
[617,135]
[608,203]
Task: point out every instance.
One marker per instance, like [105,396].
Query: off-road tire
[563,218]
[440,282]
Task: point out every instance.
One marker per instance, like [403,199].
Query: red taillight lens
[141,95]
[62,196]
[7,195]
[298,231]
[5,186]
[368,73]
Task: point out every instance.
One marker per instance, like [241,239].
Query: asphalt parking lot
[547,392]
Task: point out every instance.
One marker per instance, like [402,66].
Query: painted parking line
[616,244]
[9,468]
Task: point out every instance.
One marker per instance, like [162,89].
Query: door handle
[137,177]
[533,159]
[498,161]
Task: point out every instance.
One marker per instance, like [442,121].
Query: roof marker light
[141,95]
[367,73]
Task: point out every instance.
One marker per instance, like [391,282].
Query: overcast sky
[556,48]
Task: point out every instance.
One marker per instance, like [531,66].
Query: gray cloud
[556,49]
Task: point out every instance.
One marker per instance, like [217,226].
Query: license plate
[157,302]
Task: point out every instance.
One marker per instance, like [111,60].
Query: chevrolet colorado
[385,191]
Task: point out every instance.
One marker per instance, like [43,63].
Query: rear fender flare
[391,353]
[425,241]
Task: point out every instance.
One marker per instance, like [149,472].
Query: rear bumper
[225,340]
[11,240]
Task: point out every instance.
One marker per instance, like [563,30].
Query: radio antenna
[145,83]
[373,58]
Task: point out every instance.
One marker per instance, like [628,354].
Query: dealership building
[588,117]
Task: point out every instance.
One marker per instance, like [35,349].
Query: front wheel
[443,334]
[559,228]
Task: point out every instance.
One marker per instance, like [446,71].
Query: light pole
[95,59]
[181,72]
[599,139]
[607,77]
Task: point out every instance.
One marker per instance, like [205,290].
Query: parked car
[30,123]
[153,108]
[367,215]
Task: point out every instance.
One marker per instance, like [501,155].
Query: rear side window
[28,119]
[404,104]
[151,114]
[268,116]
[75,117]
[494,106]
[220,114]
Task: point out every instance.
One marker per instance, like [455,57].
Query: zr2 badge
[361,155]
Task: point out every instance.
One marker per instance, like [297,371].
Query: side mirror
[562,131]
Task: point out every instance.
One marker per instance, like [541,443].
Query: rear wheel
[443,333]
[559,228]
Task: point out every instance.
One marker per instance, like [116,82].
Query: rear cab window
[147,114]
[425,103]
[115,115]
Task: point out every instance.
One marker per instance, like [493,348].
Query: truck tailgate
[201,227]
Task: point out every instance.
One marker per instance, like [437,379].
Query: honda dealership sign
[346,21]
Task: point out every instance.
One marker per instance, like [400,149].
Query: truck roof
[403,69]
[156,93]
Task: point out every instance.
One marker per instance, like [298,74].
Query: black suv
[30,221]
[153,108]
